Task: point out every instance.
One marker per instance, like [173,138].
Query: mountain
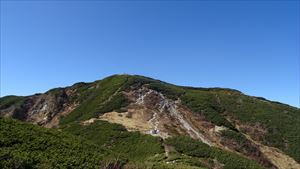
[130,121]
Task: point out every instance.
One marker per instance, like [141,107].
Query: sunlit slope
[246,121]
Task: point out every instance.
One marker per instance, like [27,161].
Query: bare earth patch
[55,120]
[135,122]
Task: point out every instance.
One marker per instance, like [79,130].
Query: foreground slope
[252,127]
[107,146]
[27,146]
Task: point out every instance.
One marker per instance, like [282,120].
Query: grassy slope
[24,145]
[11,100]
[195,148]
[281,121]
[92,96]
[17,102]
[131,145]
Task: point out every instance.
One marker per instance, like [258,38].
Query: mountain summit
[128,121]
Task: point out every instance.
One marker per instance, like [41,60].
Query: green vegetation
[132,145]
[238,137]
[171,91]
[97,98]
[7,101]
[99,145]
[24,145]
[16,103]
[207,104]
[102,144]
[282,122]
[195,148]
[180,158]
[242,144]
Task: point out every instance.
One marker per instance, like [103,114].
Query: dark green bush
[25,145]
[132,145]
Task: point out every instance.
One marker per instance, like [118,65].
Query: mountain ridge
[136,75]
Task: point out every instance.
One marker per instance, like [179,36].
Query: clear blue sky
[252,46]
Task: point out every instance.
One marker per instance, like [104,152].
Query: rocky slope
[254,128]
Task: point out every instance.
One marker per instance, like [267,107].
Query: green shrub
[97,98]
[132,145]
[25,145]
[7,101]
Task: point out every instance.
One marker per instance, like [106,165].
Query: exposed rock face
[42,108]
[159,116]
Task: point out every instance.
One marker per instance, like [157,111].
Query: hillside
[127,120]
[25,145]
